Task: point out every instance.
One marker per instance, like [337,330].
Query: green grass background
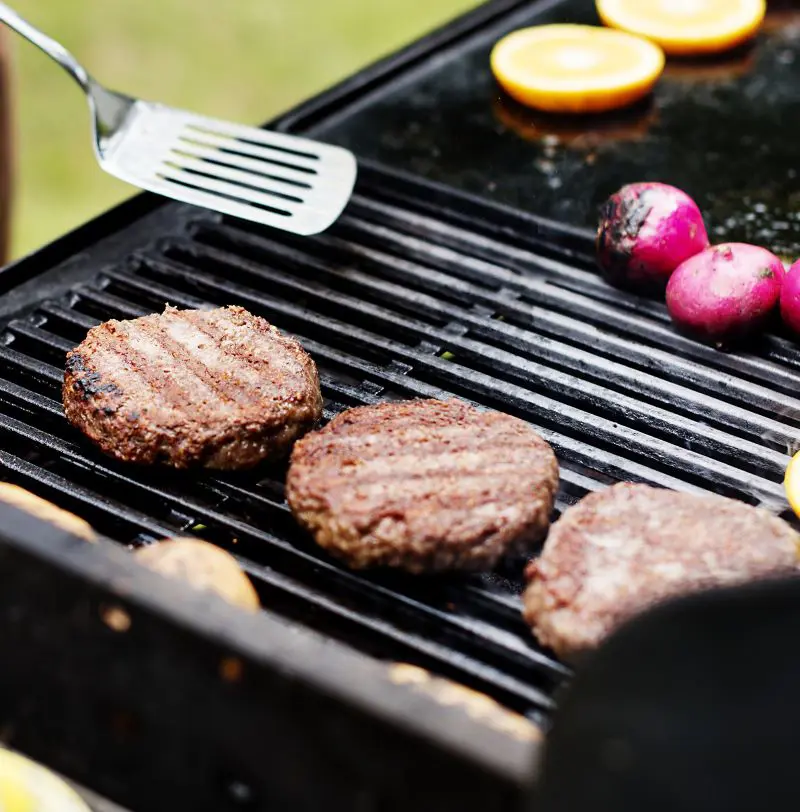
[242,59]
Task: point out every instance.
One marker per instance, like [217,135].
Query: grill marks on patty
[443,472]
[192,380]
[424,484]
[183,357]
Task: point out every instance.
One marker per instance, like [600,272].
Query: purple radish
[725,291]
[790,298]
[646,231]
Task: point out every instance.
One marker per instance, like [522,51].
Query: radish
[646,230]
[725,291]
[790,298]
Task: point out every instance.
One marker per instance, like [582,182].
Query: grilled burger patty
[423,485]
[625,548]
[215,388]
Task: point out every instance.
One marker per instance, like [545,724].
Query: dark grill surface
[403,300]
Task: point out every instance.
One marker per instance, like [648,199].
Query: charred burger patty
[214,388]
[423,485]
[623,549]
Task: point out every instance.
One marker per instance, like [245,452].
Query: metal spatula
[290,183]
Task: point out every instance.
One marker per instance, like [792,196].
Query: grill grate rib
[398,302]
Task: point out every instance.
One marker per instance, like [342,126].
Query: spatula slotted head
[283,181]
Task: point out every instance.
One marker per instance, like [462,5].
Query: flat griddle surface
[723,129]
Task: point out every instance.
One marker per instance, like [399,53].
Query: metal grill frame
[173,244]
[471,766]
[163,698]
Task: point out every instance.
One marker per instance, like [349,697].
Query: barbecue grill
[436,282]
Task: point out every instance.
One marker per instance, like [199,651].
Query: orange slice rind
[576,68]
[791,483]
[686,27]
[26,786]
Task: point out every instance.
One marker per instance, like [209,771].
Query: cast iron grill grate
[402,299]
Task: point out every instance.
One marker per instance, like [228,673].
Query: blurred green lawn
[243,59]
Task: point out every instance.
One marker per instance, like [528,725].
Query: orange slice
[686,26]
[576,68]
[26,786]
[791,483]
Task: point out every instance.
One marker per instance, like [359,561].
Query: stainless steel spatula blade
[290,183]
[283,181]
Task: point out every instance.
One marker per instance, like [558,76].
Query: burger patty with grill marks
[424,485]
[623,549]
[216,388]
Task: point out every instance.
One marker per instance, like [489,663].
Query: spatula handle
[52,48]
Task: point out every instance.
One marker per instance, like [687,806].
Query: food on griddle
[46,511]
[423,485]
[687,28]
[651,235]
[726,291]
[202,565]
[480,707]
[576,68]
[646,231]
[623,549]
[790,298]
[212,388]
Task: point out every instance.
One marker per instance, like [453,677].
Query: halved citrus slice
[26,786]
[686,26]
[576,68]
[791,483]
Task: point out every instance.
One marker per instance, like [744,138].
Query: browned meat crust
[423,485]
[214,388]
[625,548]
